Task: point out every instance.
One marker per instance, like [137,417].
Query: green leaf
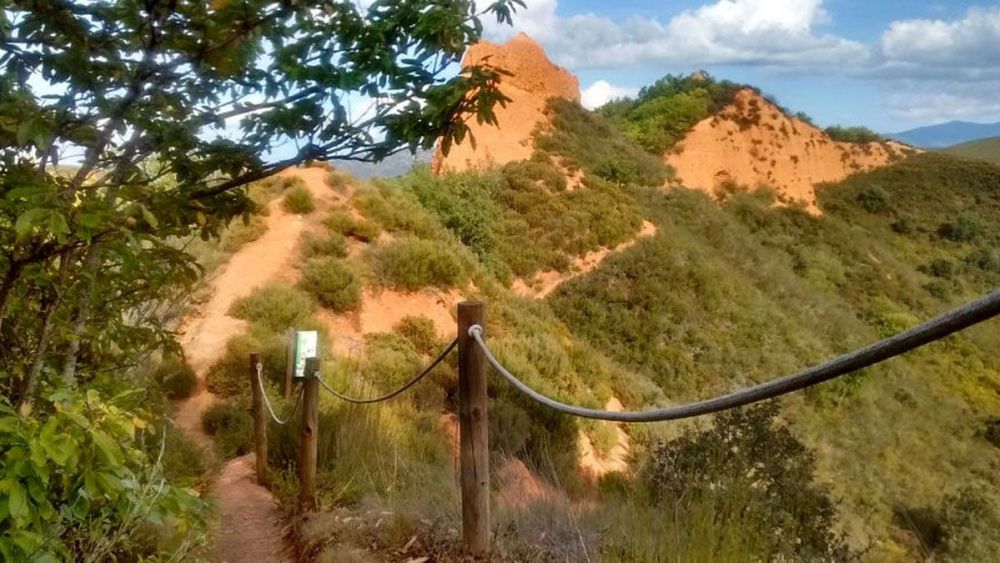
[108,448]
[148,216]
[18,502]
[27,220]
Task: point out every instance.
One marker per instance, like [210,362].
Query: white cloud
[927,103]
[758,32]
[968,47]
[602,92]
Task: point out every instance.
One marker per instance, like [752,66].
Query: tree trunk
[92,264]
[49,307]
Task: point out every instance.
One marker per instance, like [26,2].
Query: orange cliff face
[752,143]
[533,80]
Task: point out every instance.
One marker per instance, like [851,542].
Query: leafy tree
[125,125]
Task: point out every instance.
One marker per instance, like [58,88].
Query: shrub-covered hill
[892,464]
[743,291]
[983,149]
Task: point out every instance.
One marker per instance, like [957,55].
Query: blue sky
[889,65]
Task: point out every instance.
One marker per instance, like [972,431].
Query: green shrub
[966,228]
[77,481]
[748,455]
[299,200]
[274,307]
[332,244]
[342,222]
[986,259]
[412,264]
[939,268]
[874,199]
[242,233]
[991,431]
[859,135]
[175,377]
[664,111]
[183,461]
[592,143]
[231,426]
[395,211]
[332,282]
[338,180]
[229,377]
[420,332]
[970,522]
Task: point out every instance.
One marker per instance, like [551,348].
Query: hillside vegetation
[983,149]
[894,463]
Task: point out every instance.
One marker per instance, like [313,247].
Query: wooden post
[310,433]
[289,361]
[473,431]
[259,421]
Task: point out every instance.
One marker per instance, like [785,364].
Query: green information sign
[305,347]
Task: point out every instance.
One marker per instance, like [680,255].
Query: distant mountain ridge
[947,134]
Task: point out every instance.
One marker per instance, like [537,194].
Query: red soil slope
[752,143]
[533,81]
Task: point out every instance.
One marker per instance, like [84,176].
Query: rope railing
[427,371]
[937,328]
[267,401]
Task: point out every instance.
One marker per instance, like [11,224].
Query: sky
[890,65]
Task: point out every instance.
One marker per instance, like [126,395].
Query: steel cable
[267,402]
[939,327]
[388,396]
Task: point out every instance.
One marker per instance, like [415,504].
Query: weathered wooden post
[259,419]
[473,431]
[310,433]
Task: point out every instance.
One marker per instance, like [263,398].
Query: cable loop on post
[267,402]
[937,328]
[388,396]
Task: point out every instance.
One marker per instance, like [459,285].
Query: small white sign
[305,347]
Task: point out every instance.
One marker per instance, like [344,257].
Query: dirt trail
[249,519]
[548,281]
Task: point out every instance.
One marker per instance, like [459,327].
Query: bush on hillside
[991,431]
[230,375]
[338,180]
[968,227]
[411,264]
[331,281]
[175,377]
[420,332]
[274,307]
[874,199]
[859,135]
[970,524]
[299,200]
[664,111]
[395,211]
[231,426]
[591,143]
[241,233]
[342,222]
[332,244]
[748,455]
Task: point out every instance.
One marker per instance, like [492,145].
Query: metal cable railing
[267,402]
[440,358]
[937,328]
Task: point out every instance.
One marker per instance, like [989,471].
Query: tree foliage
[126,126]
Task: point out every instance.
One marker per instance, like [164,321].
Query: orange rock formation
[751,142]
[532,82]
